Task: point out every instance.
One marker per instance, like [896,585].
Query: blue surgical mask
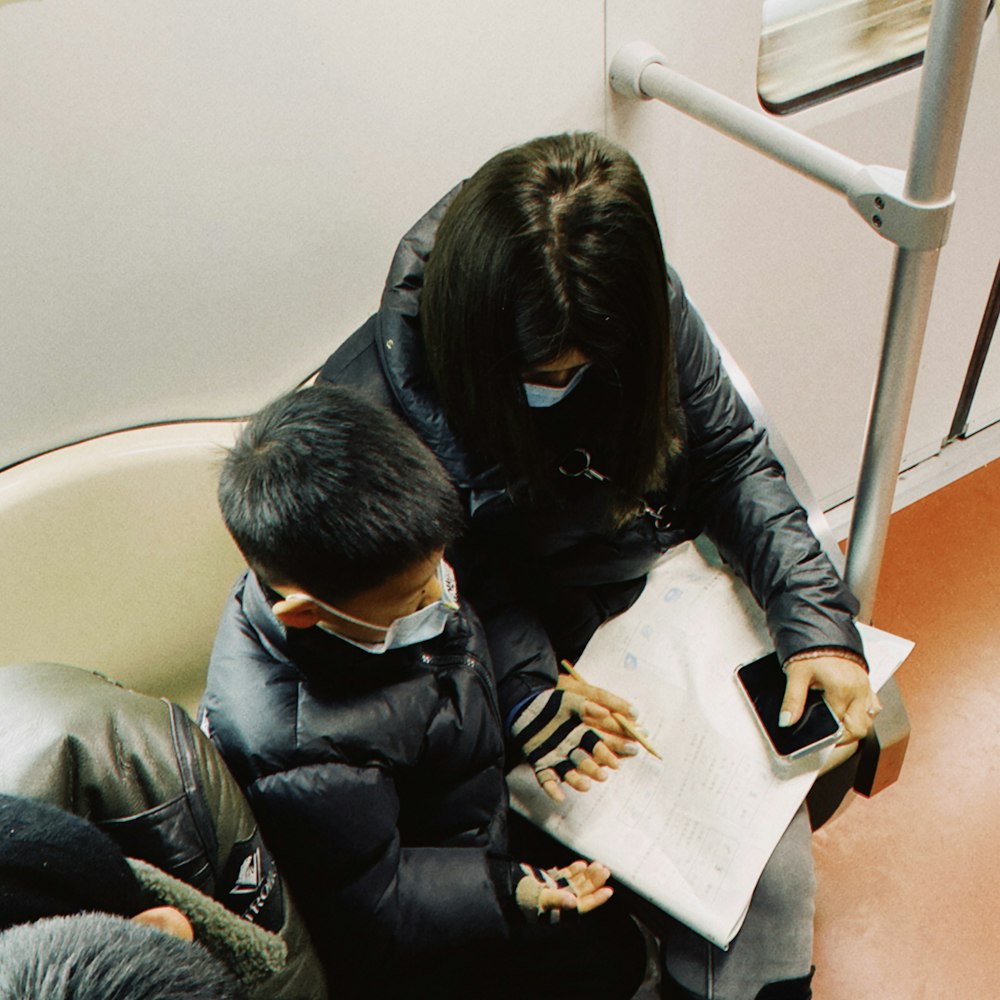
[541,396]
[420,626]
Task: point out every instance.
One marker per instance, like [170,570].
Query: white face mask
[427,623]
[541,396]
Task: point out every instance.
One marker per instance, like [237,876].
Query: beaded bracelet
[841,651]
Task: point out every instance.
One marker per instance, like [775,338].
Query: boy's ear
[296,612]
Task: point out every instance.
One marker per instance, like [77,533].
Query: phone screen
[763,682]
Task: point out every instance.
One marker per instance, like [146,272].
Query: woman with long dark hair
[534,335]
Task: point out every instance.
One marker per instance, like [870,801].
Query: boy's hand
[542,895]
[602,719]
[559,745]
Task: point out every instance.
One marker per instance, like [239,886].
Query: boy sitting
[351,694]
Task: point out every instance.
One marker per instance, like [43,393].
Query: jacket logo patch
[255,891]
[250,874]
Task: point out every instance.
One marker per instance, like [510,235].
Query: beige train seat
[116,558]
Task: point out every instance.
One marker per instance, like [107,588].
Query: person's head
[53,863]
[550,256]
[72,911]
[338,507]
[97,956]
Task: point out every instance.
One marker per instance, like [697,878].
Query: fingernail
[630,749]
[784,719]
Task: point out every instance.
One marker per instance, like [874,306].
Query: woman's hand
[845,686]
[599,713]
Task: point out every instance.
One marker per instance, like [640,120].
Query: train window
[812,50]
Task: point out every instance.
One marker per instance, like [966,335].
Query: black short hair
[326,491]
[96,956]
[553,245]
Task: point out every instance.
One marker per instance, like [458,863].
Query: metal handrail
[912,210]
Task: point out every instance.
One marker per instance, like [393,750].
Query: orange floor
[909,880]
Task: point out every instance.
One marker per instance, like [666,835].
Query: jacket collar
[310,651]
[256,606]
[304,649]
[252,953]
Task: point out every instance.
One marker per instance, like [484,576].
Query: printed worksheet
[693,831]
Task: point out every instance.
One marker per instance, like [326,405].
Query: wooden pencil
[617,716]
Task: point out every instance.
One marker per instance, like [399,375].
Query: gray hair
[97,956]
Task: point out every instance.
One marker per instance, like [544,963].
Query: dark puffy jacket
[543,576]
[378,781]
[139,769]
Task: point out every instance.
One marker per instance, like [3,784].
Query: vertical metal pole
[952,47]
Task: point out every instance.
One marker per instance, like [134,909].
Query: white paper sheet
[691,832]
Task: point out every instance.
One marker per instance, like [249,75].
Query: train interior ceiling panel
[200,202]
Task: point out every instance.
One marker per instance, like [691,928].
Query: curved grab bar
[912,210]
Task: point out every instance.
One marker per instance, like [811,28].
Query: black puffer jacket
[377,779]
[543,576]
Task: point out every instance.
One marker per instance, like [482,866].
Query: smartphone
[763,683]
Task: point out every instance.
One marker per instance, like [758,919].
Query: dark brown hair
[553,245]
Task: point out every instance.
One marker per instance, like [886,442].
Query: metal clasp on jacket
[577,464]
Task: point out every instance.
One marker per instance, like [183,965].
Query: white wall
[791,279]
[199,199]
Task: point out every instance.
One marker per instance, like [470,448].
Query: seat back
[818,523]
[116,556]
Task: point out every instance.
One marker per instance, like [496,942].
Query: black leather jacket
[543,576]
[138,768]
[378,781]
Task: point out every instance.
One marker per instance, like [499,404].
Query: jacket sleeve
[335,827]
[521,653]
[739,493]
